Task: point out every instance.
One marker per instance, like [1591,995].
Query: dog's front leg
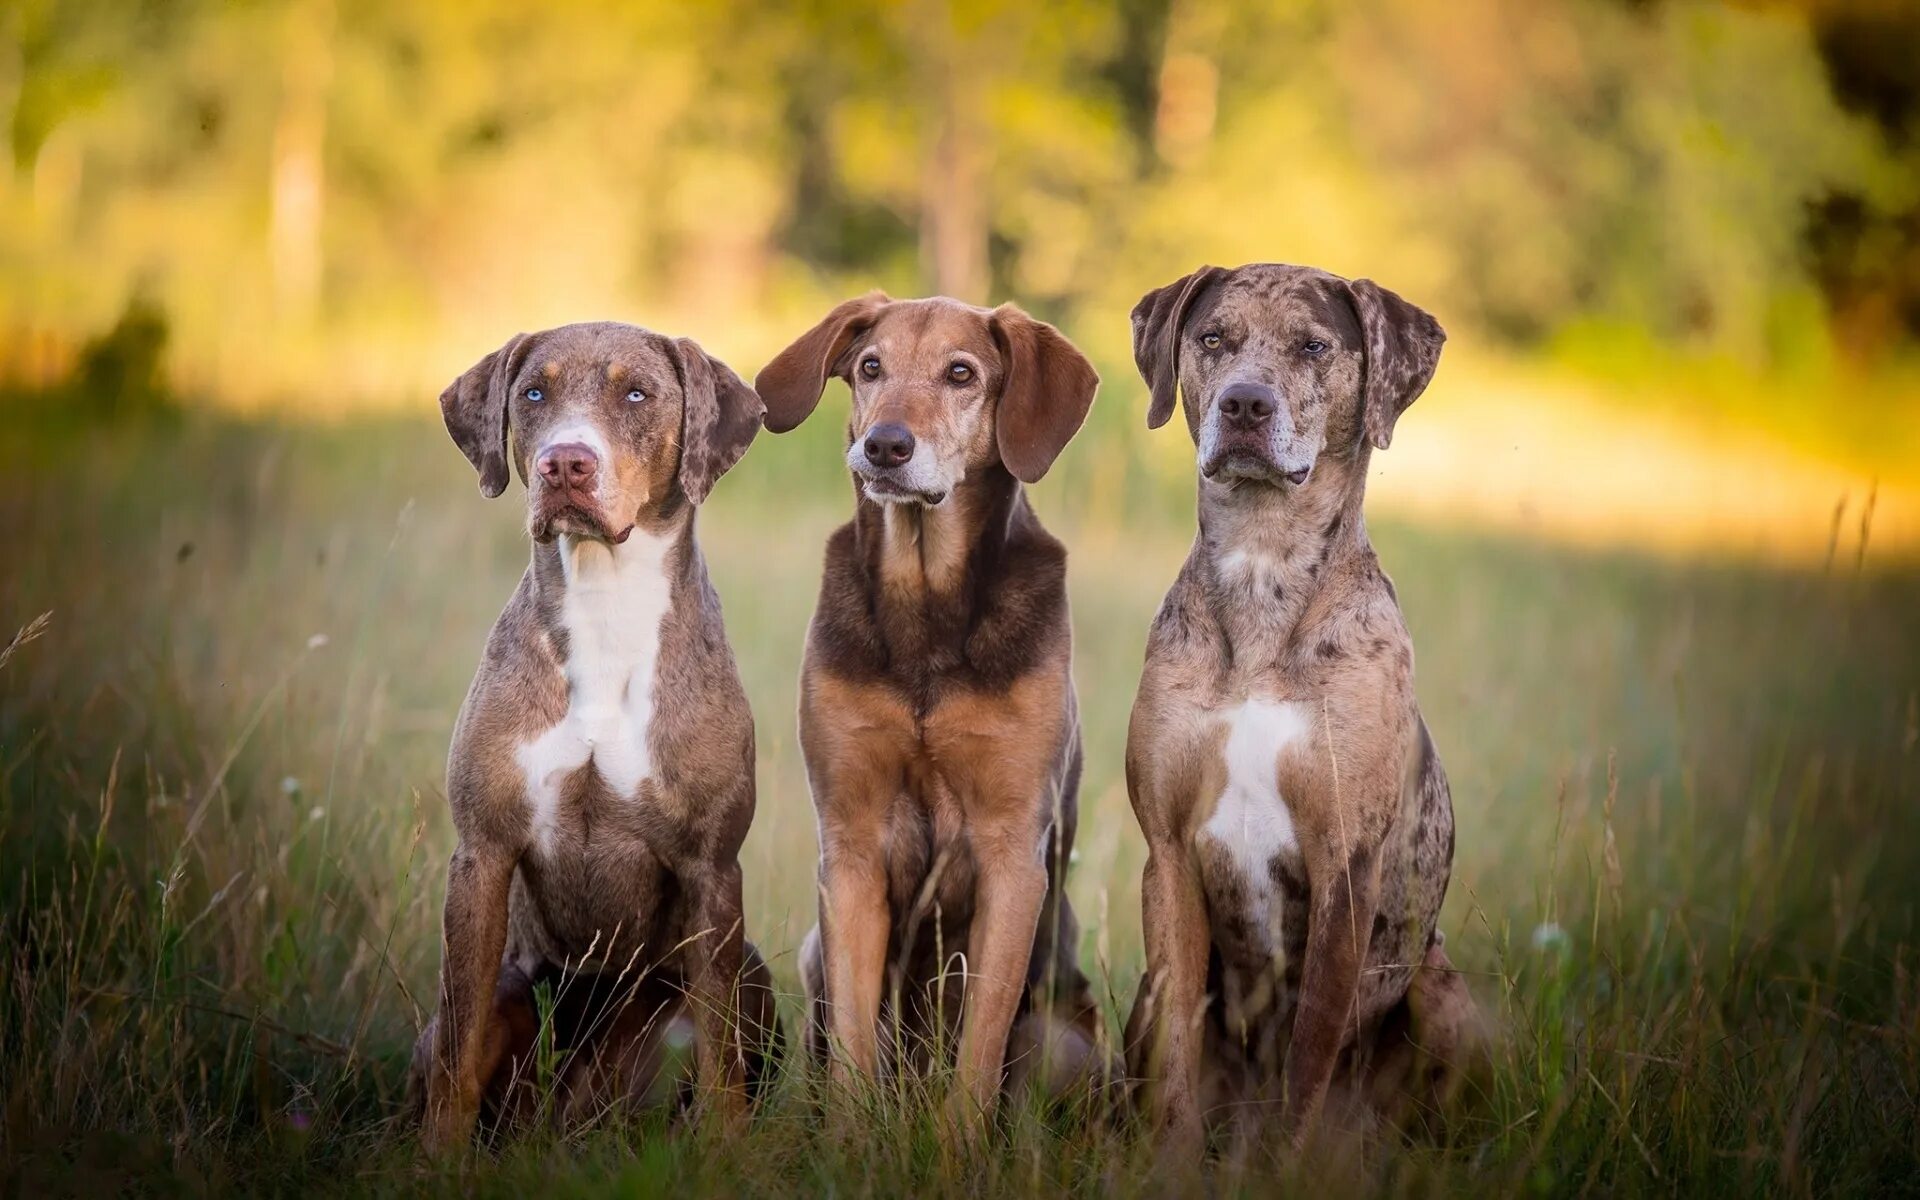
[1009,890]
[1174,920]
[474,929]
[714,949]
[855,923]
[1345,893]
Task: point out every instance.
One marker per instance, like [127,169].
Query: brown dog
[937,712]
[601,776]
[1298,823]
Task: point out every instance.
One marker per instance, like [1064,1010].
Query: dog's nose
[1248,405]
[568,465]
[889,445]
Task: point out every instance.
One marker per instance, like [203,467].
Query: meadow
[1688,796]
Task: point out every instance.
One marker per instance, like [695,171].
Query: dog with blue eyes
[601,778]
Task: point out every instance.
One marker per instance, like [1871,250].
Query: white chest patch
[1245,562]
[1251,821]
[1251,570]
[616,599]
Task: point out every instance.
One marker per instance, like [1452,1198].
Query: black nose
[889,445]
[1247,405]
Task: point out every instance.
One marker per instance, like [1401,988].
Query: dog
[1298,823]
[937,713]
[602,770]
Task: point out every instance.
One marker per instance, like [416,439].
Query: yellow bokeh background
[1676,245]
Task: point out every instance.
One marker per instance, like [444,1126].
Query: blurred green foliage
[120,372]
[337,199]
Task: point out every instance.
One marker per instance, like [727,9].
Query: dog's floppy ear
[475,409]
[1046,388]
[791,384]
[1403,348]
[1157,321]
[721,416]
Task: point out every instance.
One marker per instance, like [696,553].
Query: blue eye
[534,394]
[636,396]
[1314,348]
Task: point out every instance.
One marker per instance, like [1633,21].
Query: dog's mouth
[576,520]
[1245,464]
[888,490]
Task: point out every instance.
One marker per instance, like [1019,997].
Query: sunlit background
[1677,245]
[1654,526]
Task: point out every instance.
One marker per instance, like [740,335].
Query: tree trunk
[953,209]
[297,181]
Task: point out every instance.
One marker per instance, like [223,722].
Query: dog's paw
[445,1130]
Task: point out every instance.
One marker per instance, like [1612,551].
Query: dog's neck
[601,608]
[1265,553]
[924,564]
[652,565]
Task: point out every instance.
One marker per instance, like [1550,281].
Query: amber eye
[1211,341]
[870,367]
[959,372]
[1314,348]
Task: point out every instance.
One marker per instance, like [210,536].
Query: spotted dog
[602,771]
[1298,822]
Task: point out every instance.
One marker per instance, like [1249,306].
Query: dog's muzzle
[891,470]
[1248,437]
[567,494]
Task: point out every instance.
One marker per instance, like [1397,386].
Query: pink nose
[570,466]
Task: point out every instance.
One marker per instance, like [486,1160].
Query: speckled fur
[626,904]
[1282,601]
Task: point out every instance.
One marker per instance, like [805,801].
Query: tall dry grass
[1684,887]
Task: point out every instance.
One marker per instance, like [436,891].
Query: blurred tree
[949,61]
[121,373]
[297,189]
[288,178]
[985,126]
[1132,72]
[1866,255]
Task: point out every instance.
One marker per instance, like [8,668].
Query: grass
[1688,799]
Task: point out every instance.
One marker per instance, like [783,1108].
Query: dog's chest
[1248,846]
[615,603]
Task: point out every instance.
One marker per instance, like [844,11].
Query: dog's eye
[959,372]
[870,367]
[1210,340]
[1314,348]
[535,395]
[636,396]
